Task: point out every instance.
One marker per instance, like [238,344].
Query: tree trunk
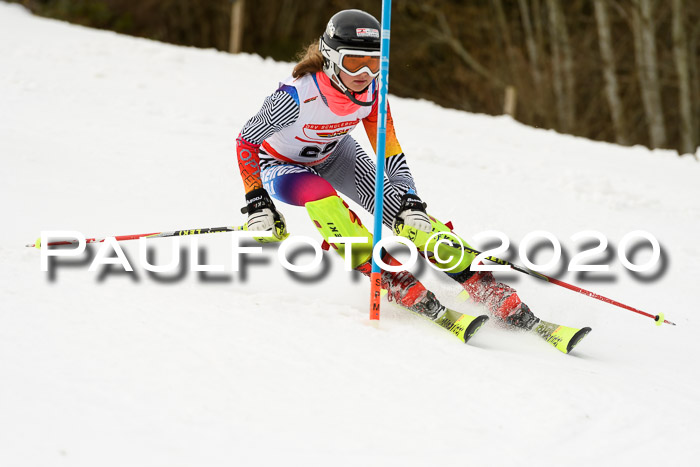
[611,87]
[532,50]
[537,23]
[237,24]
[562,75]
[508,43]
[647,71]
[569,75]
[680,55]
[287,18]
[695,77]
[538,17]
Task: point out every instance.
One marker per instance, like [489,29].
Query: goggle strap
[363,104]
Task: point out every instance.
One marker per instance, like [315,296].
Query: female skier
[297,148]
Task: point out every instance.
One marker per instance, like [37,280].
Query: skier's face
[355,83]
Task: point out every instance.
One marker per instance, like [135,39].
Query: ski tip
[576,338]
[474,326]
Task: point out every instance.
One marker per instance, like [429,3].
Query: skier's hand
[412,214]
[263,216]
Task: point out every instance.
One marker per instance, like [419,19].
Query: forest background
[624,71]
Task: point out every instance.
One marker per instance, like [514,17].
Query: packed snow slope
[109,135]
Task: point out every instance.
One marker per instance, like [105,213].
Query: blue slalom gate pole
[376,277]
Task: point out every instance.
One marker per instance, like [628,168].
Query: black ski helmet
[353,30]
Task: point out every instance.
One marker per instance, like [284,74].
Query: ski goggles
[356,62]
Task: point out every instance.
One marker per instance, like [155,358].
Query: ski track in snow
[109,135]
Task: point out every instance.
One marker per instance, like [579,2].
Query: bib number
[315,151]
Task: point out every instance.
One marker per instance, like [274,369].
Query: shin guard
[333,218]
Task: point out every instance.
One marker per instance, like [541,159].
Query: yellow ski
[563,338]
[461,325]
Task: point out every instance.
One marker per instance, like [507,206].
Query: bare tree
[504,32]
[237,25]
[537,23]
[530,43]
[443,33]
[611,86]
[466,54]
[534,58]
[562,67]
[569,70]
[695,74]
[680,54]
[643,29]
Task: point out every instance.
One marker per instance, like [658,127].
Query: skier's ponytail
[310,62]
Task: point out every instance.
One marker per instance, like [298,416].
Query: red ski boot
[500,299]
[407,290]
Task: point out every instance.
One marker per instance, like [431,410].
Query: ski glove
[412,214]
[262,215]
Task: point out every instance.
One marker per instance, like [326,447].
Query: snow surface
[111,135]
